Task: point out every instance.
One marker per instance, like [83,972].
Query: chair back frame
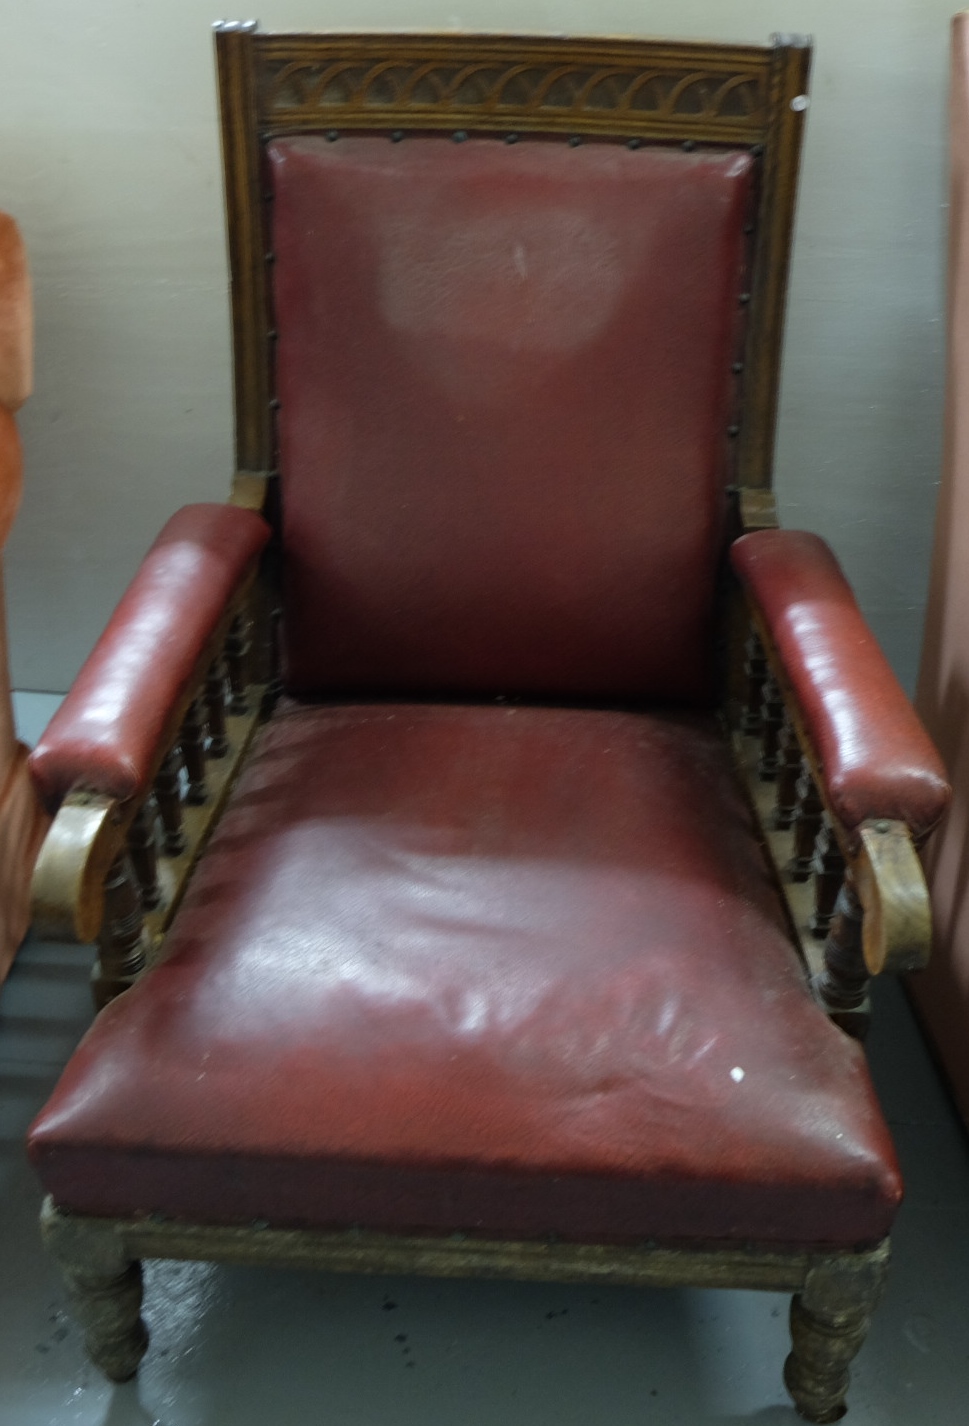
[622,90]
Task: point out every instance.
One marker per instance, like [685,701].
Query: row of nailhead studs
[460,135]
[574,140]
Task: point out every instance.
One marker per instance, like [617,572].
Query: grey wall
[111,164]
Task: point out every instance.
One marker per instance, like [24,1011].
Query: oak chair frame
[100,875]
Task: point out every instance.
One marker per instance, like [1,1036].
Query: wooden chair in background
[941,993]
[23,821]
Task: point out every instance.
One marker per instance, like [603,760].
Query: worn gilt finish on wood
[856,902]
[835,1294]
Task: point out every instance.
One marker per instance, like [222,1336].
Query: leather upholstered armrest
[874,758]
[106,734]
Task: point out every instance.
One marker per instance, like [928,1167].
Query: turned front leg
[103,1287]
[829,1323]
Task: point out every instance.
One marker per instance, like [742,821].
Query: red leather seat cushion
[505,384]
[504,970]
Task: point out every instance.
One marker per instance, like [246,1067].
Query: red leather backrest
[505,384]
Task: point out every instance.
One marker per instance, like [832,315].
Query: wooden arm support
[107,871]
[861,891]
[855,893]
[890,884]
[67,891]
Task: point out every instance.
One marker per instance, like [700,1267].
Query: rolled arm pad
[106,733]
[876,758]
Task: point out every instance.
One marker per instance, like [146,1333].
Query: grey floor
[252,1347]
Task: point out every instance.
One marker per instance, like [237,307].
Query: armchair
[464,956]
[22,818]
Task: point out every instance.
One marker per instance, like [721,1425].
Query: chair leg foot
[829,1323]
[816,1373]
[104,1288]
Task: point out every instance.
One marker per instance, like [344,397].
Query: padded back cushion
[505,384]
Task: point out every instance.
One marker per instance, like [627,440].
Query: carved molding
[573,86]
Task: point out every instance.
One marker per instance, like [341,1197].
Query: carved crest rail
[649,90]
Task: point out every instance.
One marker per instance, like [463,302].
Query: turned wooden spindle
[121,939]
[215,710]
[788,774]
[842,986]
[274,686]
[168,795]
[755,669]
[828,866]
[143,852]
[771,720]
[191,742]
[808,817]
[237,646]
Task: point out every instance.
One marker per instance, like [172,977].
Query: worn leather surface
[878,760]
[505,385]
[499,969]
[105,734]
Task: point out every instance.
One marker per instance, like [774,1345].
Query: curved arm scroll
[897,925]
[67,891]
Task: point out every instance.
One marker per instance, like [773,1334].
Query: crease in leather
[491,963]
[877,758]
